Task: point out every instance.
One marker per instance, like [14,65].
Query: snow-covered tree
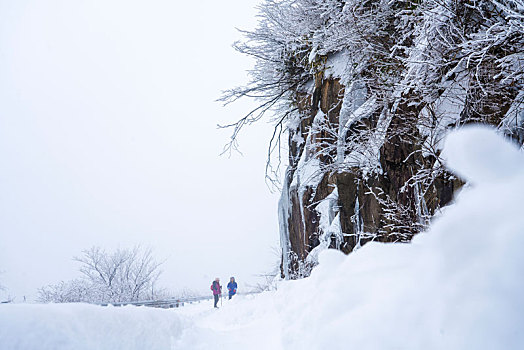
[74,291]
[124,275]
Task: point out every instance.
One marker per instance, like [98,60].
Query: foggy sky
[108,137]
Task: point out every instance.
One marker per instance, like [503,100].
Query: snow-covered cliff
[365,91]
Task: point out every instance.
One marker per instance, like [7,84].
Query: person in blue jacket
[232,287]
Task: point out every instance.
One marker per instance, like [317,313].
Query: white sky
[108,137]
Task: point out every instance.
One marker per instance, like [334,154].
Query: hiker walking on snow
[217,290]
[232,287]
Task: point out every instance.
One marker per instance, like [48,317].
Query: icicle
[358,225]
[420,205]
[283,219]
[425,211]
[337,231]
[329,226]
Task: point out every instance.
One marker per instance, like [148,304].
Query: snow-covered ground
[458,286]
[195,326]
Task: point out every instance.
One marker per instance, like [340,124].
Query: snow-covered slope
[457,286]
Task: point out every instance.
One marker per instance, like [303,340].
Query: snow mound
[478,154]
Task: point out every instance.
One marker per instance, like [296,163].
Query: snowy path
[239,323]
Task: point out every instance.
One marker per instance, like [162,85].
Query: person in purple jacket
[217,290]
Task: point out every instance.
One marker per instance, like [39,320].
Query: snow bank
[457,286]
[83,326]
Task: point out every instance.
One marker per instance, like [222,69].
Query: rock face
[366,91]
[382,207]
[389,205]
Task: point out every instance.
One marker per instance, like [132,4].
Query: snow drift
[84,326]
[457,286]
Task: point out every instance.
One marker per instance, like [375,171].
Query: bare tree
[6,298]
[124,275]
[74,291]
